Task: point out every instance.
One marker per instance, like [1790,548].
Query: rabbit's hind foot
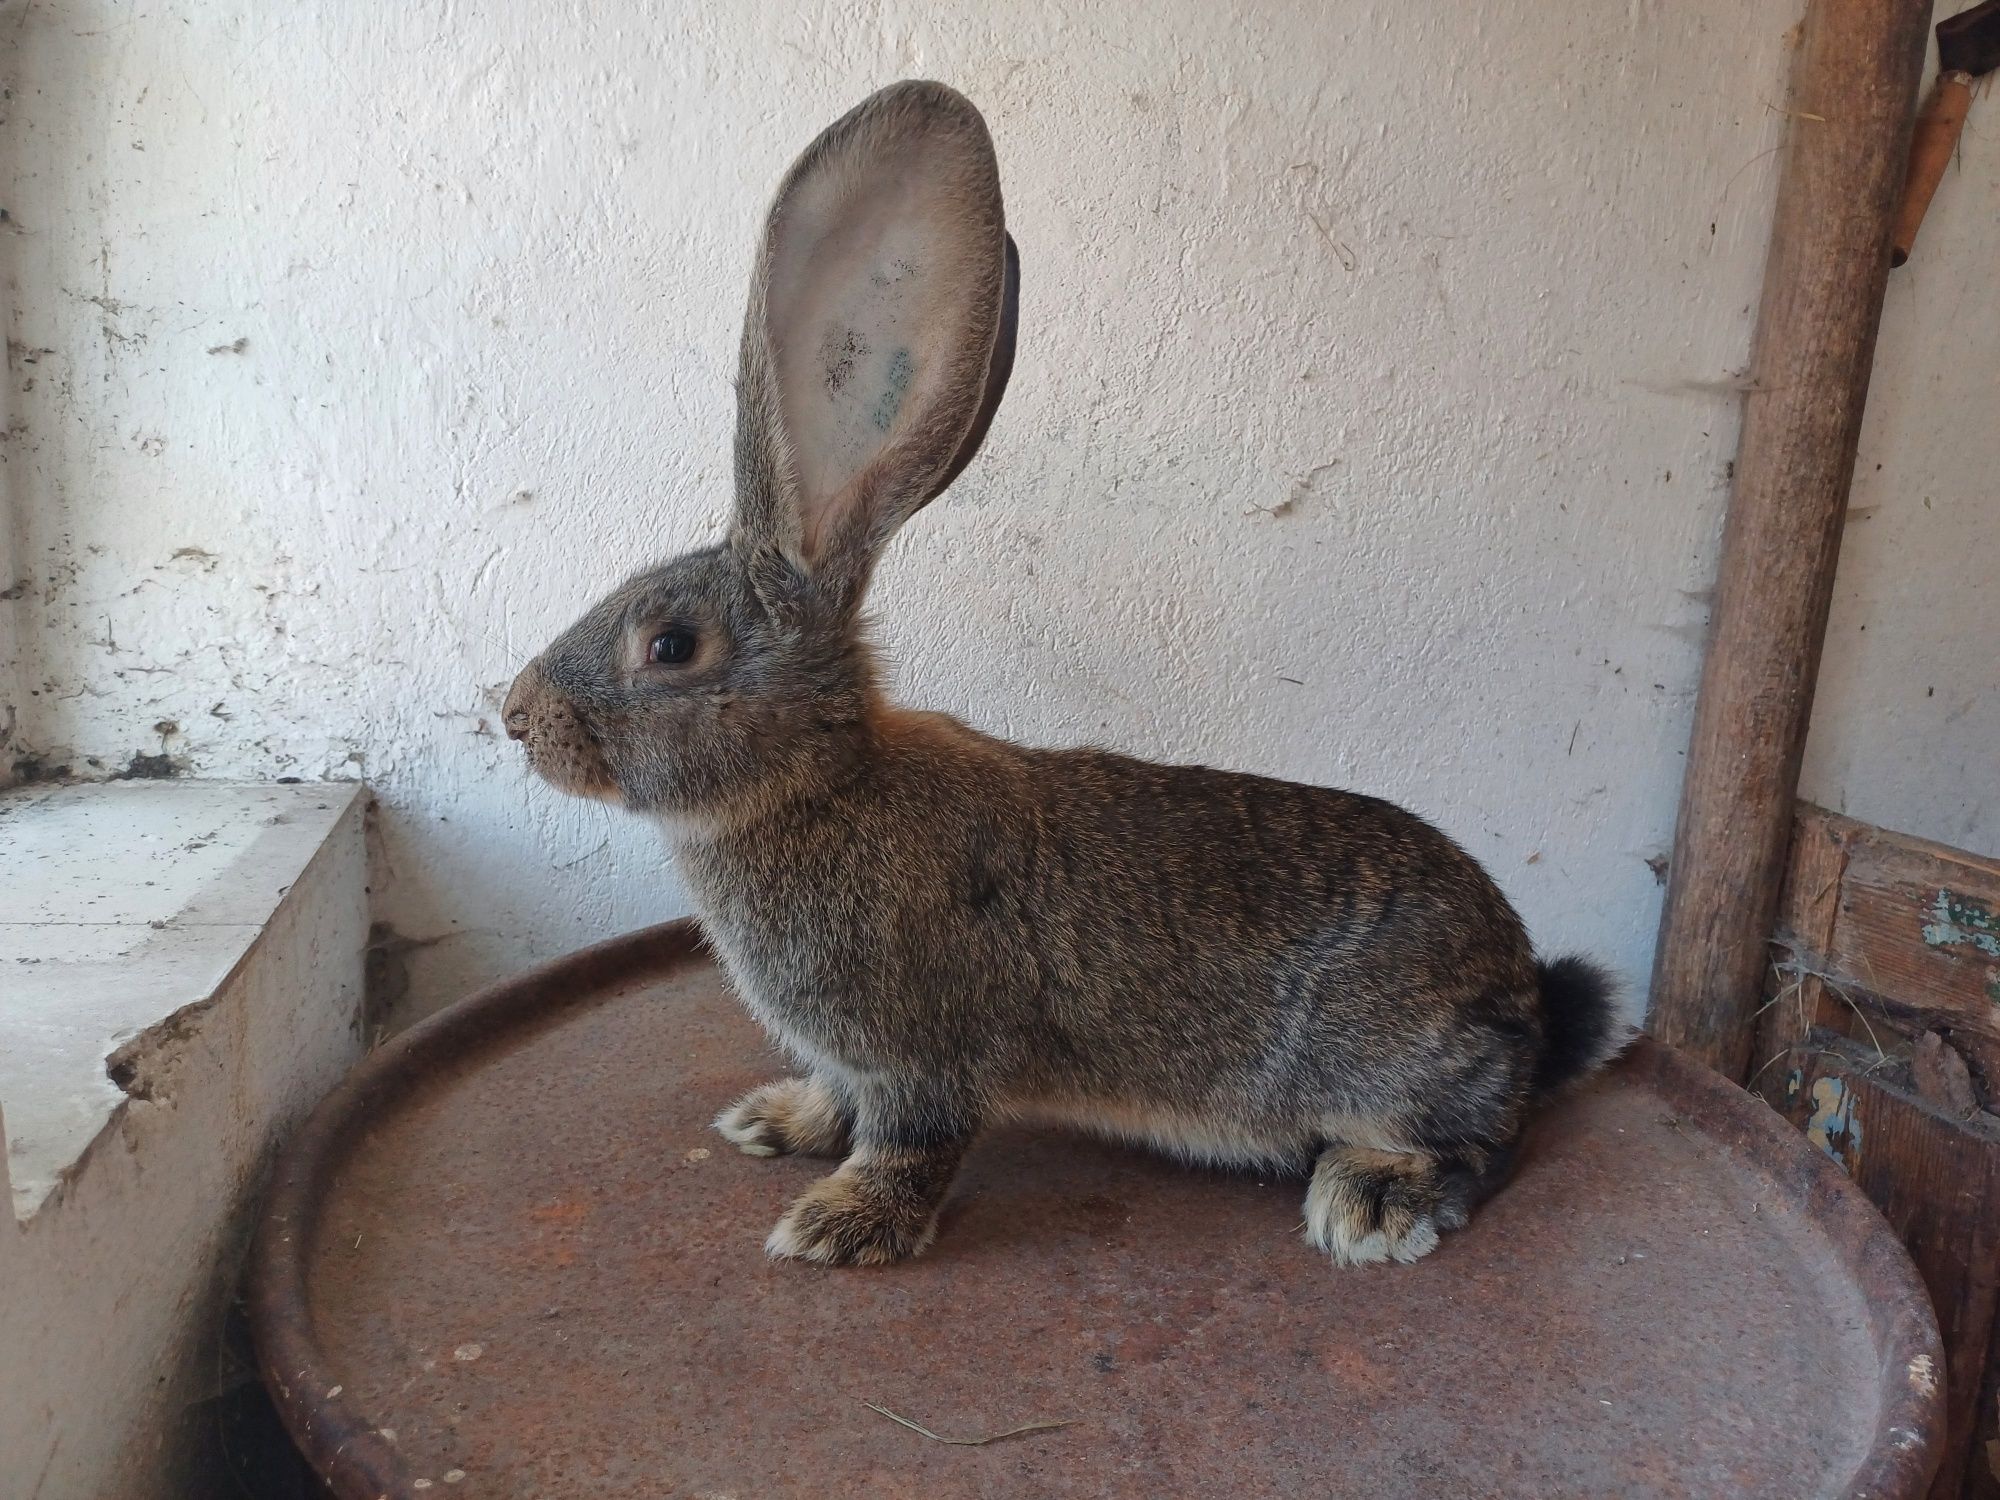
[1364,1205]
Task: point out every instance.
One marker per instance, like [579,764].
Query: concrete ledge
[181,970]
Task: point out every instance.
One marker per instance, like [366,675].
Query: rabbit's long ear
[880,333]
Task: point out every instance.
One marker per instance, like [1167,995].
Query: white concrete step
[181,972]
[125,907]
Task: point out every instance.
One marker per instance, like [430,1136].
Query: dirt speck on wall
[355,351]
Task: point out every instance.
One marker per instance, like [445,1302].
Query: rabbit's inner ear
[886,267]
[857,331]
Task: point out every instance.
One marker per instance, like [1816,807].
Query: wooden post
[1853,93]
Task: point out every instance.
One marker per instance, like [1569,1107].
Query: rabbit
[945,930]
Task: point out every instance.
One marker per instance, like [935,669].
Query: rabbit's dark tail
[1583,1025]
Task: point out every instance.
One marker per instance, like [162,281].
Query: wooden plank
[1937,1181]
[1920,922]
[1817,861]
[1853,95]
[1795,997]
[1909,935]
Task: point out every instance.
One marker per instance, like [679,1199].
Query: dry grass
[969,1442]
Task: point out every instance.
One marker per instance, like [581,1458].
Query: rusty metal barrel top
[510,1258]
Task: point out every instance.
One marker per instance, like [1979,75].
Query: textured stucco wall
[1906,732]
[1370,425]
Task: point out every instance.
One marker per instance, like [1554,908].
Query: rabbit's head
[879,340]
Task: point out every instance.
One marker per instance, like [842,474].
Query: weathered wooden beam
[1853,92]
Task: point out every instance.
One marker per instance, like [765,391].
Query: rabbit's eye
[671,647]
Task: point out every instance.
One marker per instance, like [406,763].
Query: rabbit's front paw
[793,1115]
[850,1219]
[1366,1206]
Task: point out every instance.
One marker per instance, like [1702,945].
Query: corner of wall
[14,671]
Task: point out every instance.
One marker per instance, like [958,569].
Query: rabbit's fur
[945,929]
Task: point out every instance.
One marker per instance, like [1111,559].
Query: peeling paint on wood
[1962,920]
[1832,1125]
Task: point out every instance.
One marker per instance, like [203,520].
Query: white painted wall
[1370,424]
[1906,732]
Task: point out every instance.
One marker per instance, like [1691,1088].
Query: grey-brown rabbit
[945,929]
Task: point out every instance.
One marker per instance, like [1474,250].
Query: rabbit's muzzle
[561,748]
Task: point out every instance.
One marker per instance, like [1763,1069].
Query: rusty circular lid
[509,1258]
